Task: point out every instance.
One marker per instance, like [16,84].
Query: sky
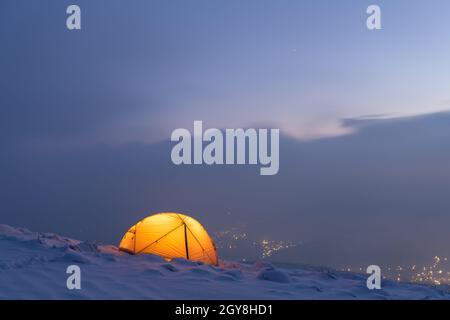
[85,118]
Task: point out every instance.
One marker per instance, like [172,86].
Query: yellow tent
[170,235]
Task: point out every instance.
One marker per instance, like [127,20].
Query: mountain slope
[33,266]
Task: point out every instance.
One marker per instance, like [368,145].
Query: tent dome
[170,235]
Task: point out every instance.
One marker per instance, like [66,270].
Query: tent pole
[186,242]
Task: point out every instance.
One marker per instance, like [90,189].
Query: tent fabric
[170,235]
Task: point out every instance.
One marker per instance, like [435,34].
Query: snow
[33,266]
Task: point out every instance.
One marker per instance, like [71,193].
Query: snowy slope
[33,266]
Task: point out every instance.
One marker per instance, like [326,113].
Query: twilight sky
[85,117]
[138,70]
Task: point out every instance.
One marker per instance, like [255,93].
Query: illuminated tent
[170,235]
